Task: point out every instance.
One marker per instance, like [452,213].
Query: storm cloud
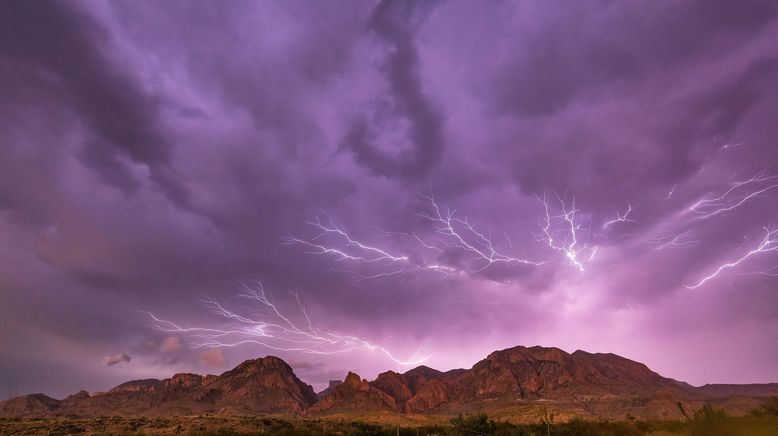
[158,156]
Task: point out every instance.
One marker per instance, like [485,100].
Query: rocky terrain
[516,383]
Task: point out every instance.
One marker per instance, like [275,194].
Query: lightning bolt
[563,237]
[275,330]
[668,241]
[620,218]
[768,244]
[731,145]
[671,192]
[772,272]
[355,250]
[367,253]
[593,253]
[737,194]
[461,234]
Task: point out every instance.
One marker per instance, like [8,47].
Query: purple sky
[154,155]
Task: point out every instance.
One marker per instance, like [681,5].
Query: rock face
[330,389]
[147,385]
[524,374]
[355,394]
[265,385]
[537,372]
[419,390]
[29,405]
[393,384]
[597,385]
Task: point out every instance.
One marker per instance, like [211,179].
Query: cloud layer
[156,156]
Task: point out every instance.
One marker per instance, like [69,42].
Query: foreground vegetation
[706,421]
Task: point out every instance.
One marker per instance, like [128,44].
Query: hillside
[515,384]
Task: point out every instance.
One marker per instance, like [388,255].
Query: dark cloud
[156,155]
[723,108]
[116,359]
[56,39]
[393,23]
[564,58]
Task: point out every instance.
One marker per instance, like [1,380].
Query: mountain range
[516,384]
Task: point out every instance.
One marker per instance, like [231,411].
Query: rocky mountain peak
[183,380]
[394,384]
[606,384]
[355,381]
[145,385]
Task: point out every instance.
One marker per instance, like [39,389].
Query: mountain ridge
[579,383]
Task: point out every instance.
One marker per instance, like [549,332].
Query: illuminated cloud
[171,344]
[116,359]
[213,358]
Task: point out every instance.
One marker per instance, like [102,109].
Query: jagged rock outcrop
[329,389]
[522,374]
[525,374]
[421,389]
[355,394]
[146,385]
[183,381]
[393,384]
[431,396]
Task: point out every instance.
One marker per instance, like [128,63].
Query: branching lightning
[351,249]
[273,329]
[768,244]
[737,194]
[461,234]
[620,218]
[564,236]
[367,253]
[772,272]
[672,241]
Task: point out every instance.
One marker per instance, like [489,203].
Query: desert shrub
[478,424]
[482,425]
[365,429]
[431,430]
[66,428]
[277,424]
[770,408]
[708,421]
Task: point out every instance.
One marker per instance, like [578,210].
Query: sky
[367,186]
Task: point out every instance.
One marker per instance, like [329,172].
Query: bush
[768,409]
[470,425]
[708,421]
